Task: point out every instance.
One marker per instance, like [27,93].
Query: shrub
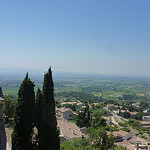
[126,129]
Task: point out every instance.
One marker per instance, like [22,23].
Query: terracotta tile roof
[146,116]
[75,113]
[133,140]
[145,122]
[132,113]
[122,110]
[121,132]
[62,109]
[69,129]
[83,106]
[68,103]
[95,104]
[106,118]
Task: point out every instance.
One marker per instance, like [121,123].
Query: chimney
[137,144]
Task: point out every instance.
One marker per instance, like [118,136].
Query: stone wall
[2,135]
[2,126]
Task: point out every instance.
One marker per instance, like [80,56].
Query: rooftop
[126,144]
[69,129]
[71,103]
[132,113]
[121,132]
[145,122]
[146,116]
[62,109]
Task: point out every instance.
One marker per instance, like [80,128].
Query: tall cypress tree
[50,138]
[39,120]
[24,116]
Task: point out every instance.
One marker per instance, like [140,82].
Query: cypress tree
[50,138]
[24,116]
[39,121]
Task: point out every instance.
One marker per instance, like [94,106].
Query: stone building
[65,113]
[2,126]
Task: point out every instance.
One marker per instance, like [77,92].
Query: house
[68,130]
[79,103]
[95,104]
[146,118]
[136,104]
[145,124]
[65,103]
[122,111]
[132,114]
[110,106]
[121,135]
[65,113]
[125,135]
[145,111]
[108,120]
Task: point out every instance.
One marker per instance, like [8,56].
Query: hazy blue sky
[97,36]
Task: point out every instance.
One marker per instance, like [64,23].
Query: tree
[98,121]
[50,136]
[9,107]
[24,116]
[39,115]
[99,138]
[83,119]
[139,115]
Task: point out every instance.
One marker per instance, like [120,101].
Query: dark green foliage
[100,139]
[71,106]
[122,124]
[98,121]
[9,107]
[134,123]
[97,140]
[49,139]
[83,97]
[128,97]
[39,116]
[77,144]
[126,129]
[83,119]
[120,147]
[24,117]
[139,115]
[124,114]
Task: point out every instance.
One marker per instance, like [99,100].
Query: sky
[82,36]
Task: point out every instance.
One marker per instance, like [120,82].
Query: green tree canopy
[24,116]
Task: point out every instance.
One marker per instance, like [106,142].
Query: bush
[141,133]
[143,137]
[122,124]
[126,129]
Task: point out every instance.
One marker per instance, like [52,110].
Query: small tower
[2,126]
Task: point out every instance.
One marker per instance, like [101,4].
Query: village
[128,139]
